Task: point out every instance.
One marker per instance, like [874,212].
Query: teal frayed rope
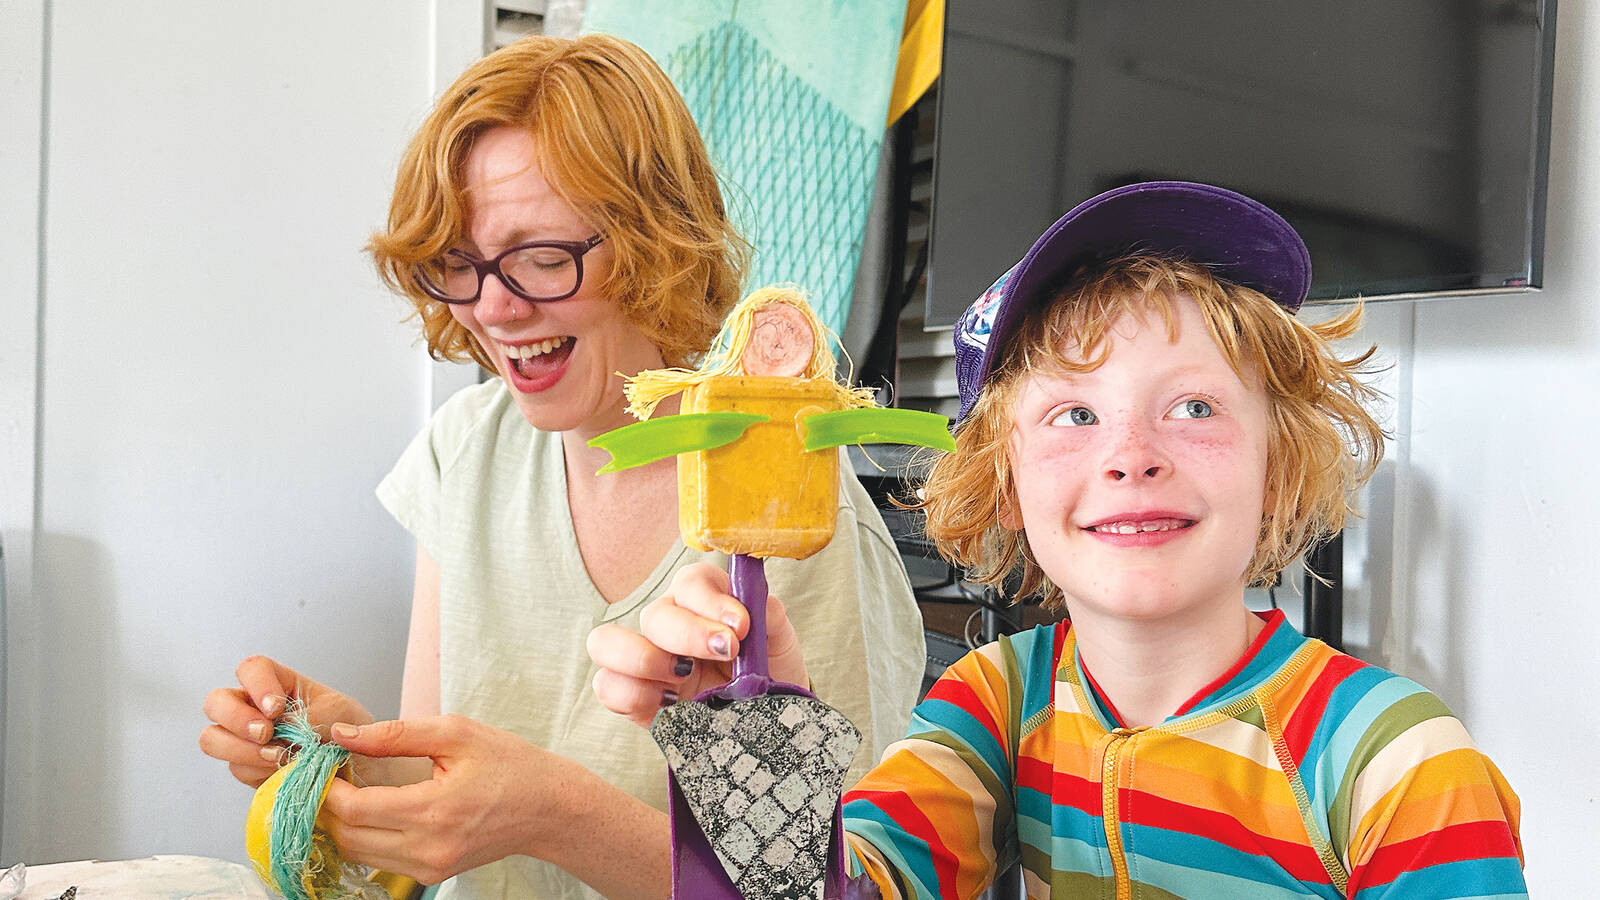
[294,811]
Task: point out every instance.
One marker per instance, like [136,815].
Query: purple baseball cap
[1237,238]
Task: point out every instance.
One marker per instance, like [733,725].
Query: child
[1145,430]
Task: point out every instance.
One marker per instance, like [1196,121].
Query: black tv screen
[1405,139]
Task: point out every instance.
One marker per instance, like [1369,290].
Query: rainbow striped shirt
[1300,772]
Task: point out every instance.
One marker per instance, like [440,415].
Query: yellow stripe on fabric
[949,772]
[1259,797]
[1075,738]
[1395,720]
[873,864]
[958,814]
[1475,802]
[1449,788]
[1397,763]
[921,49]
[984,670]
[1039,744]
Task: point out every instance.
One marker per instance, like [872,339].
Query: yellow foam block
[764,494]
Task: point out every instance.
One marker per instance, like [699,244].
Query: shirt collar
[1268,653]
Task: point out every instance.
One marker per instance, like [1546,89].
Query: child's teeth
[1137,527]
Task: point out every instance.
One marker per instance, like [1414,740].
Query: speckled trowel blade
[762,778]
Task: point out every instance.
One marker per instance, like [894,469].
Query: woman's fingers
[378,806]
[369,844]
[268,684]
[219,743]
[251,776]
[232,709]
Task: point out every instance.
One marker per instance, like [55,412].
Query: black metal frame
[1324,592]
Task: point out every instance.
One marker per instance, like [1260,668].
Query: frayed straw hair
[616,142]
[1322,446]
[647,389]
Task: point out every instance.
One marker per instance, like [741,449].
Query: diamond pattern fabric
[762,778]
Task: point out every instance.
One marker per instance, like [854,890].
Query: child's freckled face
[1141,484]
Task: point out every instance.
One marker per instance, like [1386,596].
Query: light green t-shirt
[485,495]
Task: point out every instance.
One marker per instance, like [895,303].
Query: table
[152,878]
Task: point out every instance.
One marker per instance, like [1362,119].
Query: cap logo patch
[978,321]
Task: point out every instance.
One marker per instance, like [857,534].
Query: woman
[556,220]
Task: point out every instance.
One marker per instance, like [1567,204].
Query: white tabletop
[153,878]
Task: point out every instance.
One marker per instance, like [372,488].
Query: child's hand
[689,639]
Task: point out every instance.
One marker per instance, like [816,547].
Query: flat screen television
[1407,140]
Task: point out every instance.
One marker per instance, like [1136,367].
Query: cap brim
[1236,237]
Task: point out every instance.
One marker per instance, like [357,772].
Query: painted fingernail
[669,697]
[730,620]
[683,666]
[344,730]
[272,755]
[258,731]
[271,706]
[718,644]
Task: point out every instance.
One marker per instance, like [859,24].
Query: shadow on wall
[1429,646]
[63,792]
[1369,569]
[1409,621]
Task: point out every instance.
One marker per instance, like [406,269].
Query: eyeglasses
[538,271]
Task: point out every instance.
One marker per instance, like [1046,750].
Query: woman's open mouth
[536,365]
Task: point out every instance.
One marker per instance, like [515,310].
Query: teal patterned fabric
[791,99]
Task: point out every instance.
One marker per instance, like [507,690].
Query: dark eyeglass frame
[487,267]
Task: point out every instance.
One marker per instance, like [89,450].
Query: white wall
[1476,569]
[1503,493]
[222,383]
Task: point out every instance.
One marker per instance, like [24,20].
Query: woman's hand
[492,794]
[688,640]
[243,717]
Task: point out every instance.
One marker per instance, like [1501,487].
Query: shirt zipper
[1110,813]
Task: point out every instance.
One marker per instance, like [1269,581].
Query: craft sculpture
[756,766]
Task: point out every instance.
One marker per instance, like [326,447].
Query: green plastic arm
[875,425]
[653,439]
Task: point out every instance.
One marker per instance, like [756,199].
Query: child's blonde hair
[1323,443]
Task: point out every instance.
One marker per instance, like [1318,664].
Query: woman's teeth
[1139,527]
[528,351]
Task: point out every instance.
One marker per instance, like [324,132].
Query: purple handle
[751,674]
